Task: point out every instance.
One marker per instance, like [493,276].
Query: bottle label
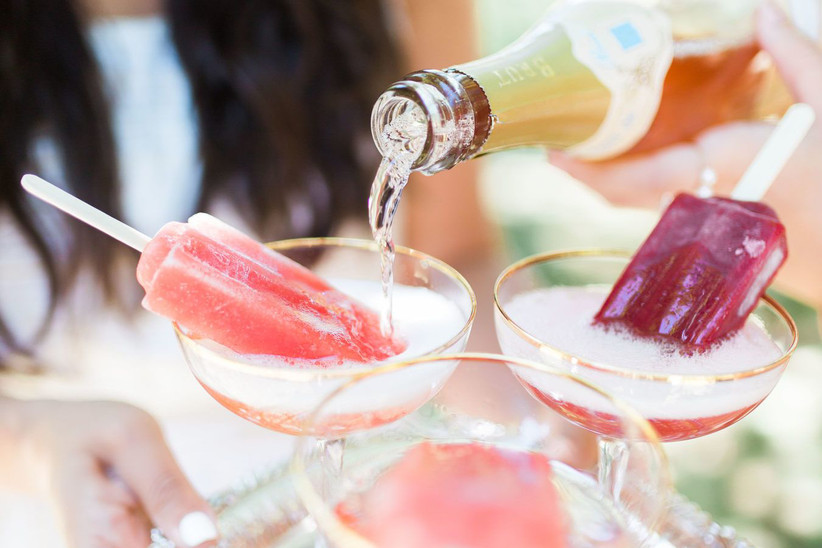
[629,48]
[539,93]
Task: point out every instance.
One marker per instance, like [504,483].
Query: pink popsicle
[217,283]
[700,272]
[465,495]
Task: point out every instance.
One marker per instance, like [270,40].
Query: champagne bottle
[588,78]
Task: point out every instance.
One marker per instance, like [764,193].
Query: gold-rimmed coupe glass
[372,505]
[681,404]
[277,394]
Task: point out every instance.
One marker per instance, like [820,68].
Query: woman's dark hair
[283,91]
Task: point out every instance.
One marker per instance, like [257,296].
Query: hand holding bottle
[644,179]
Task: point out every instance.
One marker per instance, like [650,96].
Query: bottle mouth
[399,126]
[428,117]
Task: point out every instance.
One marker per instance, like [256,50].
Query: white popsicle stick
[773,155]
[88,214]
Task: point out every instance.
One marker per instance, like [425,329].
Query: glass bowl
[278,394]
[680,403]
[596,511]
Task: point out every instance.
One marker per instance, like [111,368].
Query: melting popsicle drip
[700,272]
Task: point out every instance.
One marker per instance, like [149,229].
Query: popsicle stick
[88,214]
[776,151]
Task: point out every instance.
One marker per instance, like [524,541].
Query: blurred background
[762,475]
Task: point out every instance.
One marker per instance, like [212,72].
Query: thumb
[149,469]
[797,58]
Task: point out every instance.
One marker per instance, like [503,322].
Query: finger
[642,180]
[147,466]
[96,512]
[120,493]
[638,179]
[729,150]
[139,524]
[796,57]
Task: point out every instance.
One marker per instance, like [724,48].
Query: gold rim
[291,372]
[318,507]
[622,371]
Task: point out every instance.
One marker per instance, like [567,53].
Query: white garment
[92,351]
[153,119]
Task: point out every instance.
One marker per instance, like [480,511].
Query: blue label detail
[627,35]
[597,50]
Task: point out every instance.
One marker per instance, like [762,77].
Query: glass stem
[684,525]
[612,472]
[613,462]
[331,458]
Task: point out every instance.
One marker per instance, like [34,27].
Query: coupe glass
[279,395]
[478,406]
[680,405]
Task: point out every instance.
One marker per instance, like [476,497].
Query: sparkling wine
[293,422]
[668,429]
[404,137]
[425,319]
[683,396]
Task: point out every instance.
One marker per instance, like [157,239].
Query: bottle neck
[436,119]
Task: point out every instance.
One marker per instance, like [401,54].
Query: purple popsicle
[700,272]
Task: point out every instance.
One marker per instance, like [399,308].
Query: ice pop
[709,260]
[465,495]
[218,283]
[699,273]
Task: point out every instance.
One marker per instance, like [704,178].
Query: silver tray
[261,512]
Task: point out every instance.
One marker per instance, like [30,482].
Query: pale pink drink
[433,311]
[482,466]
[544,315]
